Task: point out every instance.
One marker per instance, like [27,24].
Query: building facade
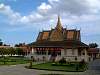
[93,53]
[59,42]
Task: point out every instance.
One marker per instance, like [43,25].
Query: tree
[93,45]
[19,51]
[1,43]
[7,51]
[19,45]
[11,51]
[16,45]
[2,51]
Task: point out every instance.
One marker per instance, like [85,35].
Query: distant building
[5,46]
[26,49]
[2,45]
[93,53]
[60,42]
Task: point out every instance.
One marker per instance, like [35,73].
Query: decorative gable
[39,36]
[56,36]
[59,34]
[45,35]
[70,35]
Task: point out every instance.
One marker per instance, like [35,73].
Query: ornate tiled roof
[65,44]
[93,50]
[59,37]
[56,35]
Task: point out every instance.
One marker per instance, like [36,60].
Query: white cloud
[84,14]
[7,11]
[44,12]
[71,11]
[44,7]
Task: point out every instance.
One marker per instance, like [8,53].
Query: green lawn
[51,74]
[12,60]
[65,67]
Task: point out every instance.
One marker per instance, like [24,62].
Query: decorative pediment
[59,33]
[56,35]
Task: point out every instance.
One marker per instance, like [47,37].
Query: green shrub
[62,61]
[51,74]
[82,62]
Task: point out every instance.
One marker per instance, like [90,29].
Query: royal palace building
[60,43]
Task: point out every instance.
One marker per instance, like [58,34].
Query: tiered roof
[59,34]
[60,37]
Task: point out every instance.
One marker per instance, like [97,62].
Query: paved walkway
[94,69]
[20,70]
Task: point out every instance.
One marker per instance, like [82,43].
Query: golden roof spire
[59,26]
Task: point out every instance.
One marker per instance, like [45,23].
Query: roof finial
[59,26]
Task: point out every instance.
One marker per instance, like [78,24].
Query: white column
[65,52]
[76,52]
[32,51]
[86,56]
[46,54]
[62,52]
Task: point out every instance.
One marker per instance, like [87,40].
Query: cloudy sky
[21,20]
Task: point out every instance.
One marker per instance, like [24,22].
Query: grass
[51,74]
[52,67]
[12,60]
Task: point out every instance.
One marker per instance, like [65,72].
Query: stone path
[20,70]
[94,69]
[16,70]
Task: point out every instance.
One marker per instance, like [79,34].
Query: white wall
[70,52]
[67,53]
